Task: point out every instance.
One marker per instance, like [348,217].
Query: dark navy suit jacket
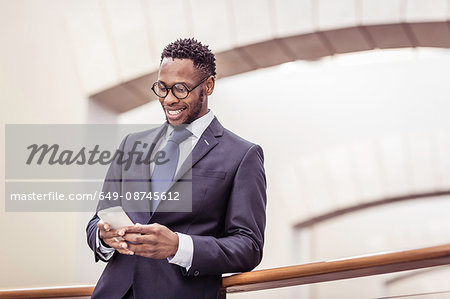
[226,224]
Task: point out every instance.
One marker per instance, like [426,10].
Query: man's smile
[174,113]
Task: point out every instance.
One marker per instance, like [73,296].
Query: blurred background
[347,98]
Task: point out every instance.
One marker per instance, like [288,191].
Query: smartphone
[115,217]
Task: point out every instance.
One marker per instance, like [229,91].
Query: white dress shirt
[185,252]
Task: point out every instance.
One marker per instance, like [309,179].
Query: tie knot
[178,136]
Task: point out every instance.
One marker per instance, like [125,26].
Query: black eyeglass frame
[170,88]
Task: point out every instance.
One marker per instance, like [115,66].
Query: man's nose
[170,98]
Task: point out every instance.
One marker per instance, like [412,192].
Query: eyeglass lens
[179,90]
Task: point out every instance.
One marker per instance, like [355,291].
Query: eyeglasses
[179,90]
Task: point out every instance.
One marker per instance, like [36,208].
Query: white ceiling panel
[448,10]
[253,21]
[425,11]
[293,17]
[93,53]
[381,11]
[334,14]
[131,40]
[211,24]
[169,21]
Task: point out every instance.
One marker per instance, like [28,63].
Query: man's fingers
[143,229]
[140,248]
[109,234]
[138,238]
[119,245]
[125,251]
[103,226]
[136,229]
[124,248]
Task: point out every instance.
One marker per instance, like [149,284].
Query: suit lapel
[206,143]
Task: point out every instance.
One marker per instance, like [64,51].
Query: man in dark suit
[182,252]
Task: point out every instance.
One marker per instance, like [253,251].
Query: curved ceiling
[116,44]
[311,46]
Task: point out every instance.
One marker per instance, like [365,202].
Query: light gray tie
[164,173]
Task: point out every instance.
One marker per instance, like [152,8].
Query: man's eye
[162,87]
[180,88]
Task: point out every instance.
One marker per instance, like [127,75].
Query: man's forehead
[173,68]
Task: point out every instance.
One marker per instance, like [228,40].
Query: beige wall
[39,84]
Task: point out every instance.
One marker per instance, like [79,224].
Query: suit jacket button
[196,273]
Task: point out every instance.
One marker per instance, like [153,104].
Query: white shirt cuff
[185,252]
[103,251]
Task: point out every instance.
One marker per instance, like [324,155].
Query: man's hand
[154,241]
[111,237]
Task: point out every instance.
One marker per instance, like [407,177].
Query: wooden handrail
[50,292]
[289,276]
[337,269]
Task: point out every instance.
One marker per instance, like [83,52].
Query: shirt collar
[198,126]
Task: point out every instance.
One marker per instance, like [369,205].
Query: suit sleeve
[240,249]
[112,183]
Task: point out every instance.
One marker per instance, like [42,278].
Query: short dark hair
[192,49]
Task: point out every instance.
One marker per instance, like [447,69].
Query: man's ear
[210,83]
